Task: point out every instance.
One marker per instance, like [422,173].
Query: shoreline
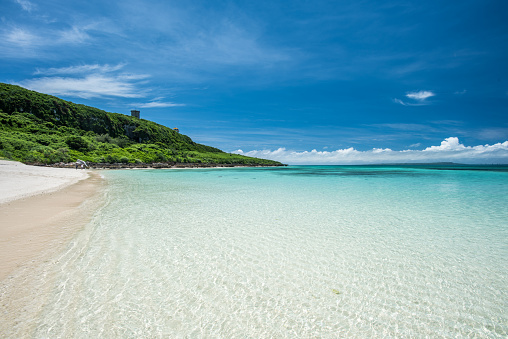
[156,165]
[40,211]
[18,181]
[37,224]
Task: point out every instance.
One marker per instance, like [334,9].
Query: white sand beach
[40,207]
[18,180]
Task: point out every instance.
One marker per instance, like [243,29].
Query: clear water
[297,252]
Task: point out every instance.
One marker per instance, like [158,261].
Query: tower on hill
[135,113]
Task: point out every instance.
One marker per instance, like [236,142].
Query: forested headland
[37,128]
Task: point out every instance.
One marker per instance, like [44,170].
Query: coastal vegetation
[42,129]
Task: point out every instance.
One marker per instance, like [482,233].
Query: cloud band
[450,150]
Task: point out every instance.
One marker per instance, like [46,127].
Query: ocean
[291,252]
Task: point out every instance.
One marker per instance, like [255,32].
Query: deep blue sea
[293,252]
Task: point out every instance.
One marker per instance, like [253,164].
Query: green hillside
[40,128]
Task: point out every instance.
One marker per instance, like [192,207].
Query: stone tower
[135,113]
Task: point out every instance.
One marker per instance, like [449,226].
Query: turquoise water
[296,252]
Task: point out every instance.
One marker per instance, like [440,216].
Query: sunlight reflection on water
[297,252]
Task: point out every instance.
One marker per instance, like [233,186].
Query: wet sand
[42,209]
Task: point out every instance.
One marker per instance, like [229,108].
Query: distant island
[41,129]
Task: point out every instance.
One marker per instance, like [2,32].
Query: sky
[303,82]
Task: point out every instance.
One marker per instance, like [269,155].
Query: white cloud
[26,5]
[420,95]
[380,150]
[418,98]
[81,69]
[493,133]
[448,144]
[398,101]
[404,127]
[21,37]
[234,45]
[90,86]
[156,104]
[200,42]
[87,81]
[75,35]
[21,43]
[449,150]
[23,40]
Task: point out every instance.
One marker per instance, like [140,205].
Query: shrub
[77,143]
[103,138]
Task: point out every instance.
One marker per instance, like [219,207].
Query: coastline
[18,180]
[172,253]
[155,165]
[41,209]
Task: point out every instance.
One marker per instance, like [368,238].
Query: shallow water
[332,251]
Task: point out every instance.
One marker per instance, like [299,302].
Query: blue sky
[298,81]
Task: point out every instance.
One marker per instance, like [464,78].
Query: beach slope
[40,208]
